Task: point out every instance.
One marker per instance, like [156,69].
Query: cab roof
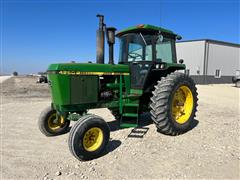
[144,28]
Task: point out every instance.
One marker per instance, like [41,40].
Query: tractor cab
[148,50]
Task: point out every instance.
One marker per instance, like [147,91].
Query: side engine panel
[84,89]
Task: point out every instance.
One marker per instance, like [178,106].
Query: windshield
[135,47]
[165,50]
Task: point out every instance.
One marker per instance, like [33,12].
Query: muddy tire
[88,137]
[49,125]
[174,104]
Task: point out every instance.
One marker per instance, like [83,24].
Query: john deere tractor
[147,78]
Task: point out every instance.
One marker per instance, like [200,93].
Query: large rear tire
[174,104]
[88,137]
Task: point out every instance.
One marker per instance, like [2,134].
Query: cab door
[139,73]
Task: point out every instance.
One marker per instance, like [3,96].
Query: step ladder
[130,115]
[128,108]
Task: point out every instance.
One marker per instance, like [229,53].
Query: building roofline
[213,41]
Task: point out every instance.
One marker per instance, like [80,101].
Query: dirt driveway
[209,150]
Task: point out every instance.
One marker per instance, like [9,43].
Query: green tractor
[146,79]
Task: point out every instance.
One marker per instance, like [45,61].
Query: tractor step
[129,120]
[138,132]
[131,96]
[130,115]
[128,125]
[131,105]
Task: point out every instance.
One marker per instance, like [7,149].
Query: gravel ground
[209,150]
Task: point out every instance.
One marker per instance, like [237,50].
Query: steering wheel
[134,55]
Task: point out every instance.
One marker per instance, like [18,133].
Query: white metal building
[209,61]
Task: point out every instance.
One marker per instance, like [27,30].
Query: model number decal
[91,73]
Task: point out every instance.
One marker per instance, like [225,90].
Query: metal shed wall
[222,58]
[192,53]
[205,57]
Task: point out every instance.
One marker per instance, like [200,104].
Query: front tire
[174,104]
[88,137]
[52,125]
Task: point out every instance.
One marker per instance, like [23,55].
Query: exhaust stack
[111,40]
[100,40]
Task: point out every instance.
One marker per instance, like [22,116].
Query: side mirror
[181,61]
[159,38]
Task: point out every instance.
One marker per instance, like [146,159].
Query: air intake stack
[100,40]
[111,40]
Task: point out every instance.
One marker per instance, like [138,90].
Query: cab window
[164,50]
[136,47]
[135,52]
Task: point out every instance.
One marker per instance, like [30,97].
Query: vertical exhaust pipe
[100,40]
[111,40]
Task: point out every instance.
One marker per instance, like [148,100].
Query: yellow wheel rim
[93,139]
[54,123]
[182,104]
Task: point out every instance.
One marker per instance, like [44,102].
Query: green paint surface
[89,67]
[60,88]
[144,27]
